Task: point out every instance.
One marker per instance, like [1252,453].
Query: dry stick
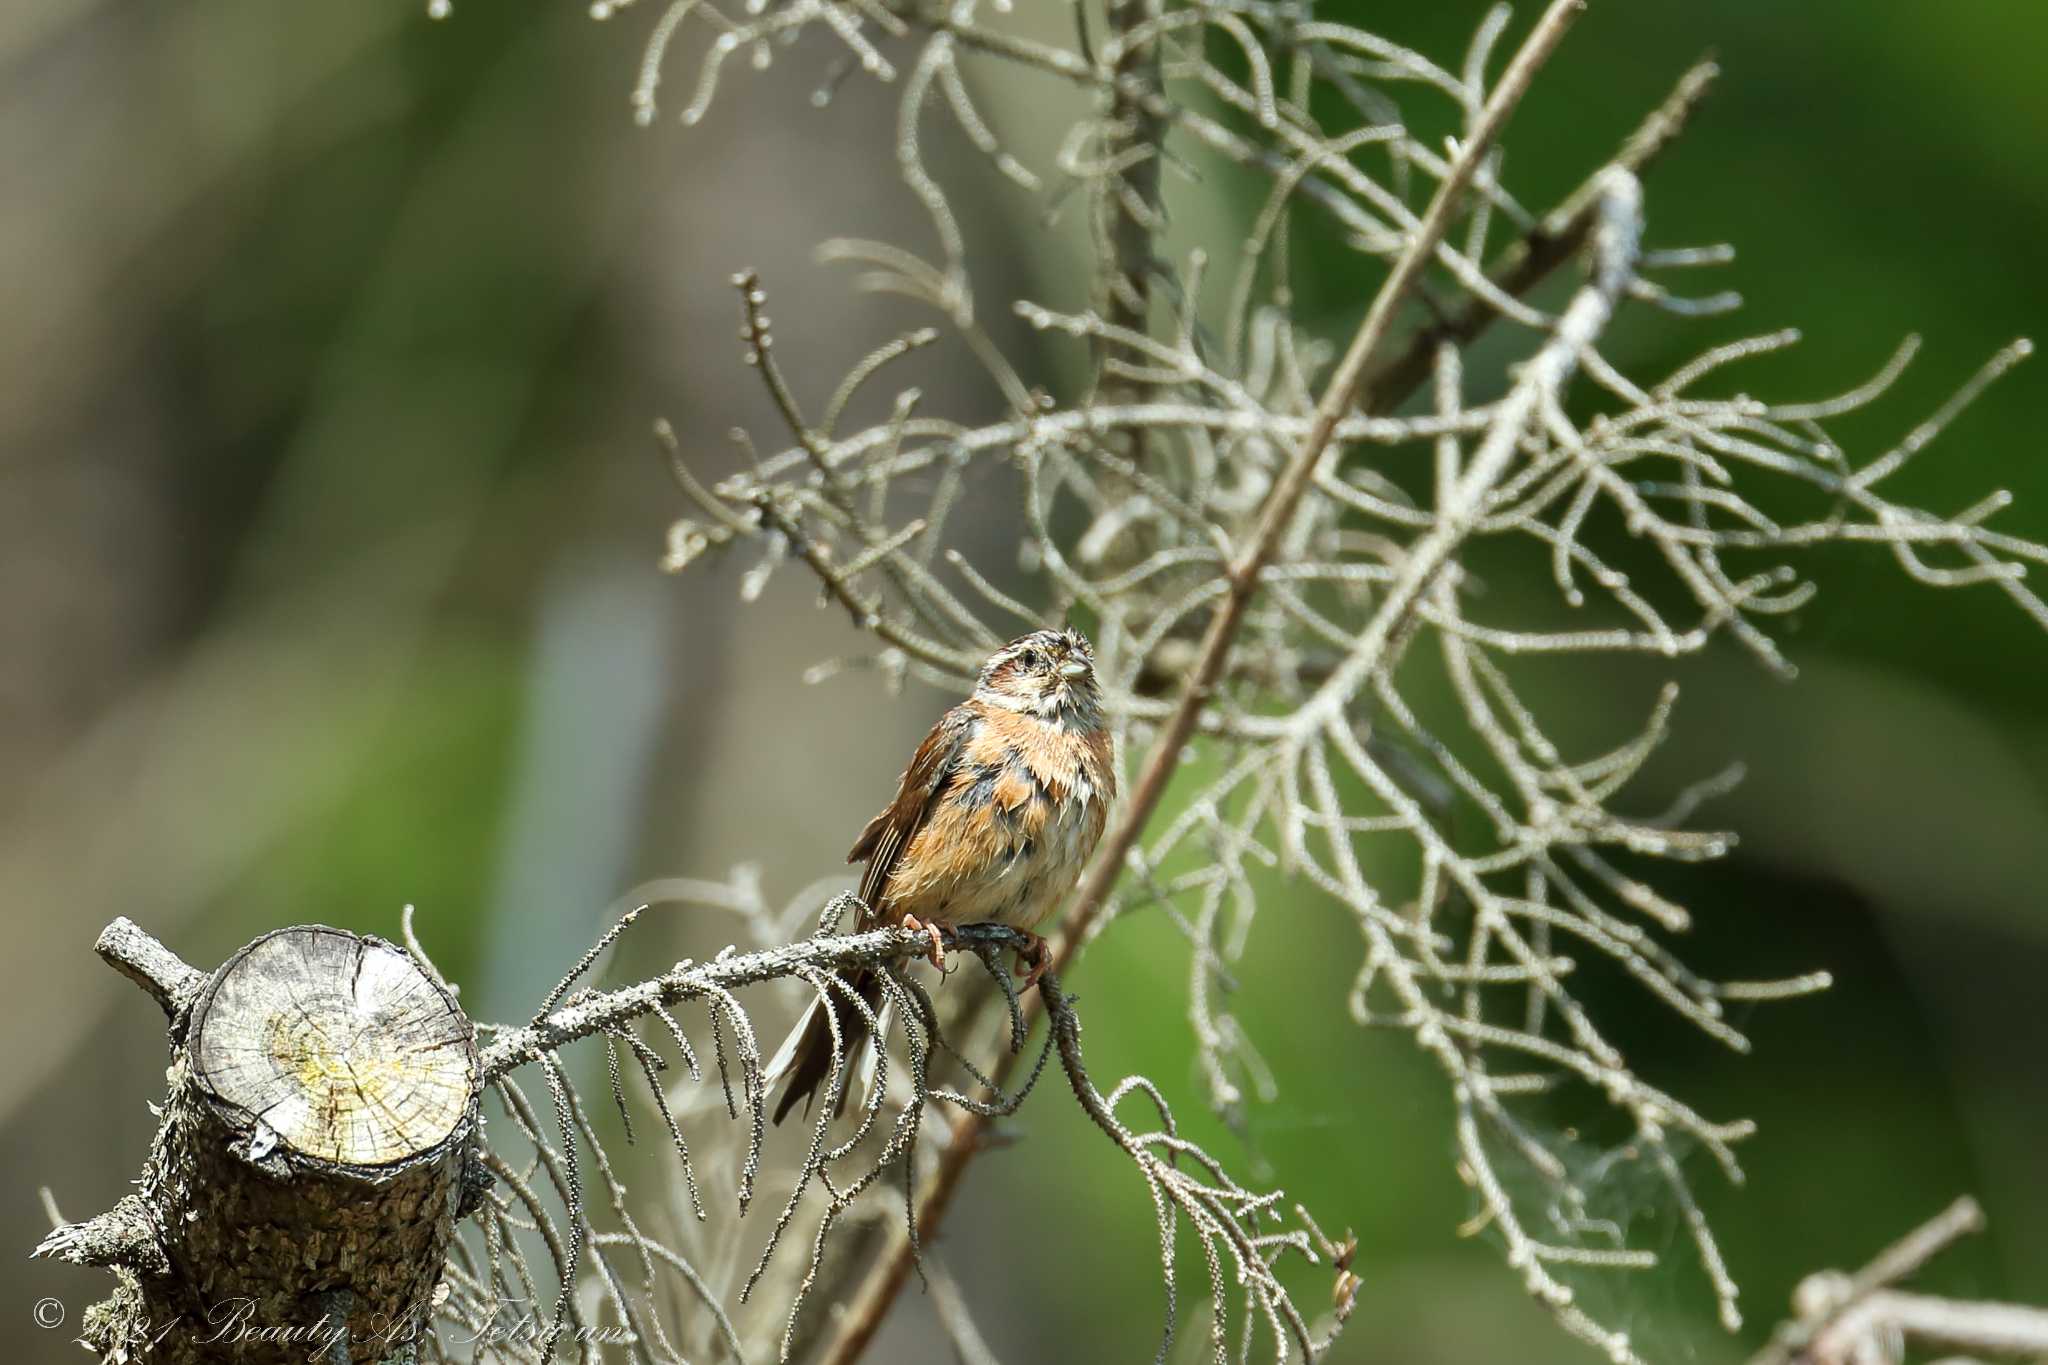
[1952,1324]
[1131,195]
[1128,213]
[1797,1339]
[1558,237]
[1561,235]
[872,1303]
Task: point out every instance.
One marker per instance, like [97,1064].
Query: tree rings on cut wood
[335,1048]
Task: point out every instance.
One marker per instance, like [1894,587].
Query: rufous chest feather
[1019,815]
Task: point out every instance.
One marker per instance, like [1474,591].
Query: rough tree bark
[318,1148]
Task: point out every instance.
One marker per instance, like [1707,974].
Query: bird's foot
[934,931]
[1035,956]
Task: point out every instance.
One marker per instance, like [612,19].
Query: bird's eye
[1033,660]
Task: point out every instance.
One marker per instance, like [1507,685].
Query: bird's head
[1048,673]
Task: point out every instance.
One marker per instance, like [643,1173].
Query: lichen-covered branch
[841,1172]
[590,1014]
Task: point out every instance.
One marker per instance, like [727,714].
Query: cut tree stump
[318,1147]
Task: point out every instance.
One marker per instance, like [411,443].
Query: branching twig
[1232,1218]
[1852,1319]
[1242,581]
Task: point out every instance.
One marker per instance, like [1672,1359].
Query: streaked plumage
[993,821]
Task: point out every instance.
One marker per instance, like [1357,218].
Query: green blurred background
[329,547]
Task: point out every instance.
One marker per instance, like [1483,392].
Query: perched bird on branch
[994,819]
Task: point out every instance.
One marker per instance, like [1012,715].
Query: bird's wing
[889,833]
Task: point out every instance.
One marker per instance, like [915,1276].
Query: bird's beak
[1073,668]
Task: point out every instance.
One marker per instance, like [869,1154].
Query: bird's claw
[933,931]
[1035,957]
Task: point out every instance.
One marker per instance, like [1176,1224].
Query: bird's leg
[934,931]
[1035,956]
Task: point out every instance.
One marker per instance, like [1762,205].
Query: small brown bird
[994,819]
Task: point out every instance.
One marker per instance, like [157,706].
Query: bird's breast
[1008,838]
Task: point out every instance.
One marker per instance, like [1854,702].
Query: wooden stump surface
[338,1048]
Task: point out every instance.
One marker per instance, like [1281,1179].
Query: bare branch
[130,950]
[1848,1319]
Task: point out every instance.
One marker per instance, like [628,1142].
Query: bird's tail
[804,1061]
